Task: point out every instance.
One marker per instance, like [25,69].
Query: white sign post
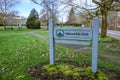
[71,35]
[95,25]
[52,42]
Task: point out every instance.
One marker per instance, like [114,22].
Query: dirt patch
[36,73]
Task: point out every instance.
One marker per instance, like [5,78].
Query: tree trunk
[4,27]
[104,24]
[4,24]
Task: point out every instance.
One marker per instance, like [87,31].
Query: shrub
[32,23]
[68,72]
[33,20]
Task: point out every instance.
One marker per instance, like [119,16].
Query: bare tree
[6,6]
[49,7]
[85,11]
[104,6]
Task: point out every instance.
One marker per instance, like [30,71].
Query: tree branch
[96,2]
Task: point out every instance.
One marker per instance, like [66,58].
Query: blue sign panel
[73,33]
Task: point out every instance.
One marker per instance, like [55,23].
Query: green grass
[19,51]
[70,72]
[107,39]
[109,51]
[43,32]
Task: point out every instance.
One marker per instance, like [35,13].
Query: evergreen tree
[33,20]
[71,18]
[34,13]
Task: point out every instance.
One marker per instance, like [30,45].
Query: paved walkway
[38,35]
[114,34]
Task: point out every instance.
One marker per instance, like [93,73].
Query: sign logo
[60,33]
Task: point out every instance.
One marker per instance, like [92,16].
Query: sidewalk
[38,35]
[114,34]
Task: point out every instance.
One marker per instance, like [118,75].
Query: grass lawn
[109,50]
[19,51]
[43,32]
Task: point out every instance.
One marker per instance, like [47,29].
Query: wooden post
[51,42]
[95,25]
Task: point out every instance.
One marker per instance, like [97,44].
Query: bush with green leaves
[33,20]
[69,72]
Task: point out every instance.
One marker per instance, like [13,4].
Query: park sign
[77,36]
[73,33]
[65,35]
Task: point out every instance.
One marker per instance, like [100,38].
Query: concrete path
[38,35]
[114,34]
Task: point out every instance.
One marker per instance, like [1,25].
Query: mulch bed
[35,70]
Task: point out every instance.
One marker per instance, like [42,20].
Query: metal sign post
[95,25]
[52,42]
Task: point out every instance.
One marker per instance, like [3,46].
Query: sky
[25,7]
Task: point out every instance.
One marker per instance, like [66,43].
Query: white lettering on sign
[73,33]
